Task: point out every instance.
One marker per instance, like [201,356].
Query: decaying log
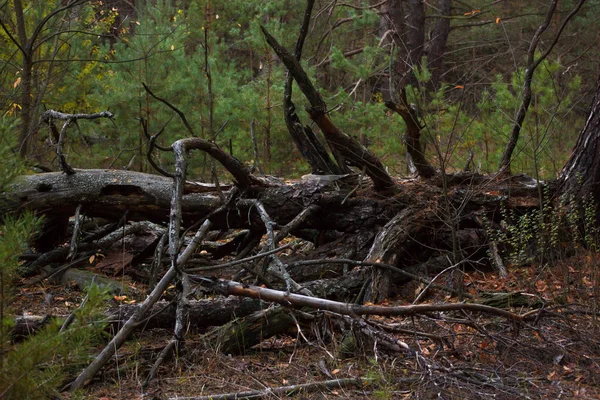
[391,244]
[242,333]
[203,314]
[109,193]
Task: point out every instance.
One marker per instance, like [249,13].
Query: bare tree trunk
[26,77]
[437,45]
[415,36]
[580,176]
[391,30]
[405,33]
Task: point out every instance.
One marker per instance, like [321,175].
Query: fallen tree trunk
[111,193]
[202,315]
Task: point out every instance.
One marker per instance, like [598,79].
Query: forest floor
[555,356]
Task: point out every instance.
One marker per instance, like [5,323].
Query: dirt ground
[457,356]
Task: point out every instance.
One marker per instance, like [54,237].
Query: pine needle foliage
[37,367]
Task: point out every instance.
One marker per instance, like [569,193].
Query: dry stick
[285,275]
[242,177]
[174,245]
[62,160]
[157,260]
[183,306]
[145,129]
[497,259]
[106,229]
[298,219]
[297,300]
[282,390]
[118,340]
[339,142]
[237,262]
[49,115]
[175,213]
[152,144]
[293,224]
[76,229]
[532,64]
[424,290]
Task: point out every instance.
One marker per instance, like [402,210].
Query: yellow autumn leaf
[92,258]
[497,20]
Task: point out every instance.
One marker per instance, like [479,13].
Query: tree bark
[111,193]
[580,177]
[436,48]
[402,26]
[306,141]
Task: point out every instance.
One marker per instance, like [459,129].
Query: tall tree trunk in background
[437,44]
[402,28]
[391,31]
[580,176]
[414,23]
[26,77]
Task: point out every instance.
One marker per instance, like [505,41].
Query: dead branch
[50,115]
[532,64]
[75,236]
[281,390]
[118,340]
[243,178]
[307,143]
[297,300]
[412,138]
[349,149]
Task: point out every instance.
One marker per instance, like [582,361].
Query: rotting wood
[240,334]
